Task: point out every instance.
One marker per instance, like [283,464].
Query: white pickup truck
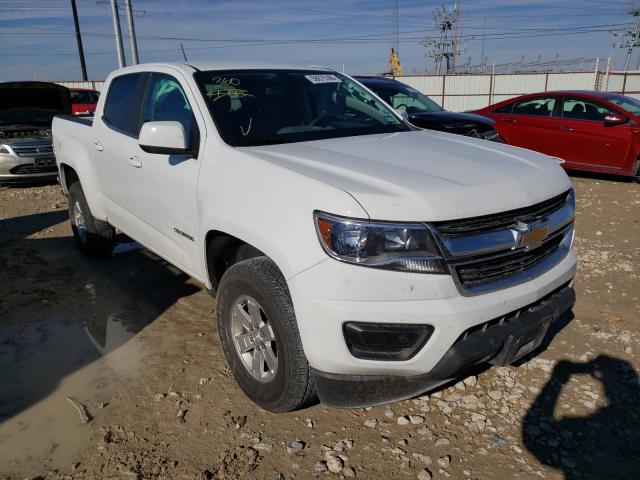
[353,256]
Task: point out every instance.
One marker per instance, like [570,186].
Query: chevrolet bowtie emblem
[528,236]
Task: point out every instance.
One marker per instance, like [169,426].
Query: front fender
[269,207]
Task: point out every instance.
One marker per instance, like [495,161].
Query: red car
[593,131]
[83,101]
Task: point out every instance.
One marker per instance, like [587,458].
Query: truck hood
[422,175]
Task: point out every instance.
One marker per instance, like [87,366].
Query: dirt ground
[133,343]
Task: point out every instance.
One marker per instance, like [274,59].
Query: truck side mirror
[165,138]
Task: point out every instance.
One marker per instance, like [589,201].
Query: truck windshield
[264,107]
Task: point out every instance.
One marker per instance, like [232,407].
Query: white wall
[91,84]
[472,91]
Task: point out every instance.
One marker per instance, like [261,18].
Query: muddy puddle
[45,361]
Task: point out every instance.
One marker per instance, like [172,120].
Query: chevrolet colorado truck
[26,112]
[353,257]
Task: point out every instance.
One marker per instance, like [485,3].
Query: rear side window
[541,106]
[121,108]
[583,109]
[166,101]
[504,109]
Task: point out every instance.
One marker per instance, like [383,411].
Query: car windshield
[404,98]
[263,107]
[629,104]
[84,96]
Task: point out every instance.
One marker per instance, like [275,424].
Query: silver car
[26,112]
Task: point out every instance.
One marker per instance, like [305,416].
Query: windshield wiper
[259,142]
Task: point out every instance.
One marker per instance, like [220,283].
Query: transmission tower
[630,38]
[445,49]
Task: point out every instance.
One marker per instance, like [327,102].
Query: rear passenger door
[114,137]
[163,188]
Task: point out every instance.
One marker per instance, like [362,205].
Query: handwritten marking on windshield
[216,95]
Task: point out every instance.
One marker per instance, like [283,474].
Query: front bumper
[25,170]
[496,343]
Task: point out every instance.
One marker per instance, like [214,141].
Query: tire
[257,286]
[94,237]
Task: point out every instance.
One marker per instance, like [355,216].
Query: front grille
[485,223]
[497,251]
[486,270]
[48,166]
[38,149]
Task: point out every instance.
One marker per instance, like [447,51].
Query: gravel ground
[113,369]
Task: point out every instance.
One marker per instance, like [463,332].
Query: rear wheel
[259,335]
[94,237]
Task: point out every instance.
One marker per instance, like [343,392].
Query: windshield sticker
[323,78]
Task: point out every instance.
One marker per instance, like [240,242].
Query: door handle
[135,162]
[566,129]
[509,120]
[98,146]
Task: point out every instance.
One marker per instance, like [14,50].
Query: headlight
[392,246]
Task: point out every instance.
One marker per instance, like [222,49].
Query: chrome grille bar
[488,253]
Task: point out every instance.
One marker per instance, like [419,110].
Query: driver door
[163,188]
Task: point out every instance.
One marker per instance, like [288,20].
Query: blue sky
[37,40]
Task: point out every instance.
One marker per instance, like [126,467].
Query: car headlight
[402,247]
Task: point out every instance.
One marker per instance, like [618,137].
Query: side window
[166,101]
[541,106]
[504,109]
[120,105]
[583,109]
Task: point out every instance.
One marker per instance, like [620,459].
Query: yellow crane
[395,68]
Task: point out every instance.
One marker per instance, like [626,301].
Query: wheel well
[223,251]
[70,176]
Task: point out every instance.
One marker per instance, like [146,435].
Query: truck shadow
[61,311]
[603,444]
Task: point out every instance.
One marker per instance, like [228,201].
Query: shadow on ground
[60,311]
[602,445]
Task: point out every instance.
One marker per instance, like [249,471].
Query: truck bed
[85,120]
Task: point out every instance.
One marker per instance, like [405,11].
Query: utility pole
[483,60]
[83,66]
[132,33]
[631,40]
[118,34]
[396,26]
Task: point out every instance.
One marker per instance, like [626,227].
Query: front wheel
[94,237]
[260,338]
